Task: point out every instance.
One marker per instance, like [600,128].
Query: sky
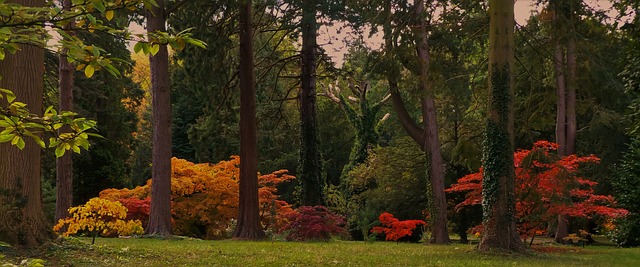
[336,49]
[333,43]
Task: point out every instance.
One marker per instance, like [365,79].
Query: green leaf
[95,51]
[99,6]
[76,149]
[196,42]
[6,137]
[137,47]
[38,141]
[154,49]
[88,71]
[59,150]
[9,94]
[84,143]
[20,143]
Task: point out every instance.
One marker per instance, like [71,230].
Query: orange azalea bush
[99,217]
[205,197]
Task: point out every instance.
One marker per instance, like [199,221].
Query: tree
[547,185]
[310,168]
[64,164]
[565,71]
[20,199]
[160,215]
[248,216]
[362,119]
[427,136]
[498,182]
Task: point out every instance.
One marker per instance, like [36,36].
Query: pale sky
[332,42]
[336,49]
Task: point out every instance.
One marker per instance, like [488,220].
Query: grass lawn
[193,252]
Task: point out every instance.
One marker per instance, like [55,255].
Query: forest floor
[195,252]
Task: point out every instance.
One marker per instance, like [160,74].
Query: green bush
[627,188]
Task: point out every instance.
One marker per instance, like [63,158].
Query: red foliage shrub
[546,185]
[313,223]
[395,229]
[137,209]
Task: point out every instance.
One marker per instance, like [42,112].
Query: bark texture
[22,221]
[498,183]
[438,209]
[64,164]
[160,214]
[310,165]
[248,226]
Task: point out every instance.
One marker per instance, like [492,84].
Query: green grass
[193,252]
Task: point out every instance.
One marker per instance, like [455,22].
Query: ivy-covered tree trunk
[498,181]
[22,220]
[248,215]
[438,206]
[310,163]
[160,213]
[64,164]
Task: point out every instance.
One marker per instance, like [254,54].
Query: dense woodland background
[368,161]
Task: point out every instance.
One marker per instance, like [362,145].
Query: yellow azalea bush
[99,217]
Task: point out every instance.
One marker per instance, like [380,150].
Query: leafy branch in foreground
[18,123]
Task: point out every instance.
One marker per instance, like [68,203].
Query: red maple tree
[395,229]
[547,185]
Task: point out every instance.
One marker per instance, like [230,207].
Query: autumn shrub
[394,229]
[137,209]
[546,186]
[313,223]
[99,217]
[205,198]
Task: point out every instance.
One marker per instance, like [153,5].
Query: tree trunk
[64,164]
[248,215]
[310,169]
[572,84]
[561,105]
[498,181]
[22,221]
[160,214]
[438,209]
[566,125]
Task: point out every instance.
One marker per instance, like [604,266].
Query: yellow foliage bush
[99,217]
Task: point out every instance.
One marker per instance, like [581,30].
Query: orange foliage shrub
[205,197]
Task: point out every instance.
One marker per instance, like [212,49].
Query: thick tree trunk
[64,164]
[248,215]
[22,221]
[440,233]
[310,169]
[498,183]
[160,214]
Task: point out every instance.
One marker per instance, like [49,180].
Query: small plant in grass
[99,217]
[313,223]
[395,229]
